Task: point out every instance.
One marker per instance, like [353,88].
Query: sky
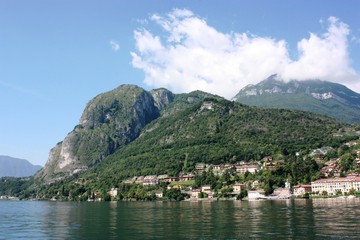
[55,56]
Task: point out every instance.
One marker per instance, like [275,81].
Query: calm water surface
[281,219]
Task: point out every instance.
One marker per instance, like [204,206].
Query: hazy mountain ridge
[322,97]
[15,167]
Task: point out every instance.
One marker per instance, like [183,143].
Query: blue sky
[57,55]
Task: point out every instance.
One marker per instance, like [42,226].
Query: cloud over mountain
[193,55]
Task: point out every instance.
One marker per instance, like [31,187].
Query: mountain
[322,97]
[214,131]
[15,167]
[110,121]
[130,132]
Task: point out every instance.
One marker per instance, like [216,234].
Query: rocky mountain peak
[310,95]
[109,121]
[162,98]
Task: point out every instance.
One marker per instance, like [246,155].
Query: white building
[334,185]
[247,168]
[256,194]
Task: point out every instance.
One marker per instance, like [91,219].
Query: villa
[333,186]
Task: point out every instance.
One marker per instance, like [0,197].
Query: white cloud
[114,45]
[324,57]
[193,55]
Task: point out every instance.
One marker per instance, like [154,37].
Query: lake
[277,219]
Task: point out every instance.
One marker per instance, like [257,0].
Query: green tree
[347,161]
[243,194]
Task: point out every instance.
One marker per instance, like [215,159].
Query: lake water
[280,219]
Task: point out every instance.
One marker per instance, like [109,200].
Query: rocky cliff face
[109,121]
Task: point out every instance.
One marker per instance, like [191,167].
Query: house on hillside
[139,180]
[332,168]
[238,187]
[150,180]
[219,167]
[242,169]
[351,143]
[206,189]
[200,167]
[159,194]
[167,178]
[187,177]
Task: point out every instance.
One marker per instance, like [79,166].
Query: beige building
[238,187]
[206,188]
[113,192]
[195,193]
[300,190]
[247,168]
[334,185]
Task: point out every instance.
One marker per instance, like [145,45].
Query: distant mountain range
[322,97]
[15,167]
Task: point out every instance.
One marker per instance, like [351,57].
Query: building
[332,168]
[333,186]
[282,193]
[159,194]
[256,194]
[219,167]
[206,189]
[351,143]
[200,167]
[187,177]
[300,190]
[150,180]
[246,168]
[166,178]
[113,192]
[238,187]
[195,193]
[139,180]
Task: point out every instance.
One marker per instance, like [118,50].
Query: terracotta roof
[304,186]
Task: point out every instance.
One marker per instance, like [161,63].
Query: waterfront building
[300,190]
[256,194]
[113,192]
[333,186]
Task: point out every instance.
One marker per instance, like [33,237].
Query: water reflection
[285,219]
